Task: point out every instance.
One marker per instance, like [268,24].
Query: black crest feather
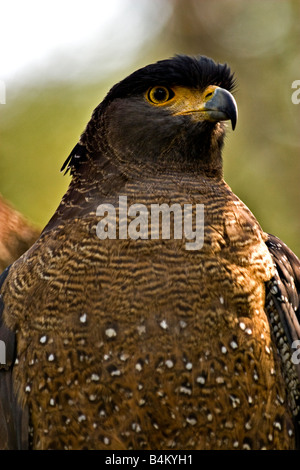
[76,157]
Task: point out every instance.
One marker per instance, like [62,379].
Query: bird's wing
[283,310]
[14,422]
[284,288]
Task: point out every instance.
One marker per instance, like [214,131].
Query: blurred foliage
[42,120]
[38,129]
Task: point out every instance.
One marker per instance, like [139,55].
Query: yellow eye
[159,94]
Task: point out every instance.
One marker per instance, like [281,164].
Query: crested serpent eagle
[137,342]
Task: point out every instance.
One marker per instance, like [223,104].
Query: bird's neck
[105,174]
[199,157]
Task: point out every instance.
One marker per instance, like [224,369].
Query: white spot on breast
[200,380]
[136,427]
[220,380]
[223,350]
[233,344]
[83,318]
[95,377]
[277,425]
[255,375]
[185,390]
[52,402]
[110,332]
[191,420]
[221,300]
[43,339]
[189,366]
[242,325]
[106,441]
[235,401]
[182,324]
[124,357]
[169,363]
[27,388]
[163,324]
[51,357]
[138,366]
[81,418]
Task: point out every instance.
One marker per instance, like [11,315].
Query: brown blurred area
[16,234]
[44,117]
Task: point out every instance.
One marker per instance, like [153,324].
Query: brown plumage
[143,343]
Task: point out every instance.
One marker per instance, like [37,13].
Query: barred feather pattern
[141,344]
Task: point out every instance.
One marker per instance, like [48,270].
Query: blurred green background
[50,100]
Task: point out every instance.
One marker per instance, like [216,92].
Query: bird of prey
[119,334]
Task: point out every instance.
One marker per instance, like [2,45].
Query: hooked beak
[213,104]
[221,106]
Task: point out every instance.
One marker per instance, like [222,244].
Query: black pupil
[160,94]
